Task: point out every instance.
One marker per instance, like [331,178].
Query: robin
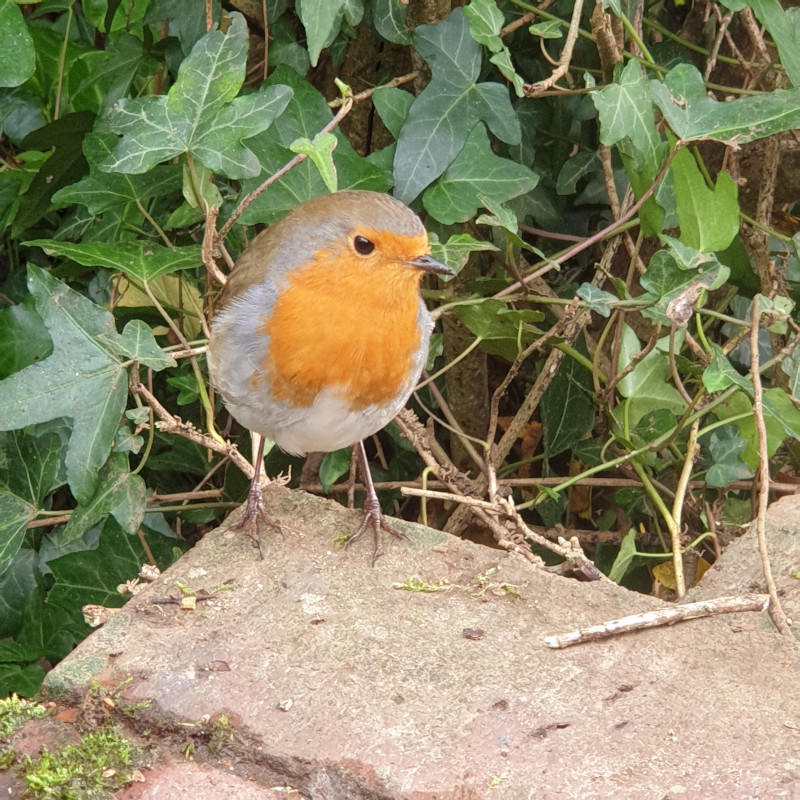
[321,333]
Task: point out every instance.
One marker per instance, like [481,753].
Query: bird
[320,333]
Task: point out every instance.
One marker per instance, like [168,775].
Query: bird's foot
[253,514]
[375,519]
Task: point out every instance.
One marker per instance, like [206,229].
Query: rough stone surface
[339,685]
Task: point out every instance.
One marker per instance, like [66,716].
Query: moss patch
[101,763]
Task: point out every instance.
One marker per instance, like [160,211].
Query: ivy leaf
[24,337]
[567,408]
[333,466]
[692,114]
[726,447]
[709,218]
[99,78]
[17,54]
[83,379]
[201,115]
[32,463]
[118,493]
[596,299]
[502,329]
[66,165]
[389,19]
[15,515]
[485,23]
[322,20]
[720,373]
[393,106]
[449,107]
[627,552]
[320,151]
[456,250]
[475,172]
[627,120]
[740,404]
[305,115]
[667,278]
[92,576]
[101,191]
[783,25]
[626,116]
[142,260]
[646,387]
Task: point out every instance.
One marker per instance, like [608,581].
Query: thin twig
[692,451]
[775,609]
[172,424]
[532,90]
[276,176]
[653,619]
[392,84]
[602,234]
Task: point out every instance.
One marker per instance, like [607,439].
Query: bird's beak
[430,264]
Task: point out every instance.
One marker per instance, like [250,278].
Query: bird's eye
[363,245]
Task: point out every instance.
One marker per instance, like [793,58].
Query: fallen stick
[666,616]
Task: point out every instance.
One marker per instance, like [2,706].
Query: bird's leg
[254,510]
[373,516]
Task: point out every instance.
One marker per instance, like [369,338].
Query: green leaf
[137,343]
[23,681]
[389,19]
[305,115]
[596,299]
[118,493]
[456,250]
[784,28]
[322,20]
[627,120]
[791,367]
[23,337]
[779,406]
[15,515]
[393,106]
[502,61]
[669,279]
[31,464]
[720,373]
[320,151]
[726,447]
[102,191]
[740,404]
[449,107]
[17,584]
[82,380]
[201,115]
[99,78]
[626,116]
[66,165]
[141,260]
[567,407]
[92,576]
[476,172]
[627,552]
[709,217]
[646,385]
[485,23]
[17,54]
[692,114]
[503,330]
[551,29]
[333,466]
[47,629]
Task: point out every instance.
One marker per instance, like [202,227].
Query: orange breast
[342,324]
